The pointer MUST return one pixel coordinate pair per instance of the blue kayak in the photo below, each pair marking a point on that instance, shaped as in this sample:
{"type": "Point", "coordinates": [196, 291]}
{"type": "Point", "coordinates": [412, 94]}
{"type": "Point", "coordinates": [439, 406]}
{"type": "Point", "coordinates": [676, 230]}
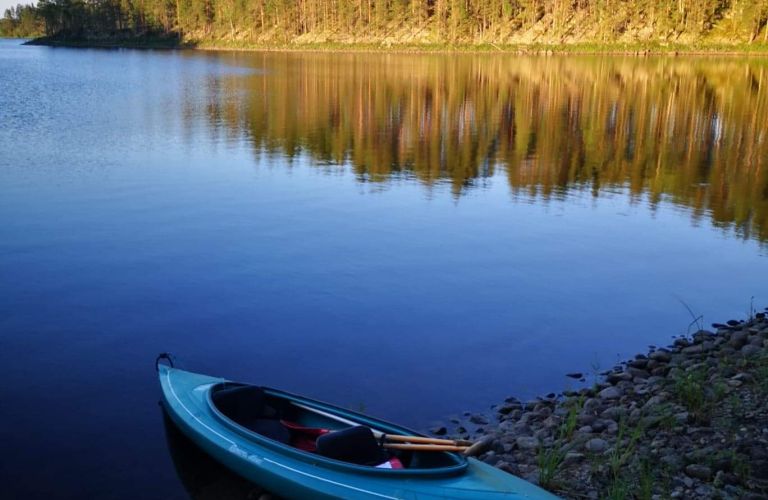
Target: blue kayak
{"type": "Point", "coordinates": [243, 428]}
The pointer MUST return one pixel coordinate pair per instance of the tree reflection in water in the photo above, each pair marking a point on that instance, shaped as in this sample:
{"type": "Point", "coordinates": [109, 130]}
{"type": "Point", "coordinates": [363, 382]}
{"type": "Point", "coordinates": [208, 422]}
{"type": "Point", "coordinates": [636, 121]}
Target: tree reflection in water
{"type": "Point", "coordinates": [691, 131]}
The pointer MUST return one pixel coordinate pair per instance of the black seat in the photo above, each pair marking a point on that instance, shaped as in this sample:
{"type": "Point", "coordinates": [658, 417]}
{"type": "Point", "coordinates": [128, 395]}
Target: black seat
{"type": "Point", "coordinates": [249, 406]}
{"type": "Point", "coordinates": [356, 445]}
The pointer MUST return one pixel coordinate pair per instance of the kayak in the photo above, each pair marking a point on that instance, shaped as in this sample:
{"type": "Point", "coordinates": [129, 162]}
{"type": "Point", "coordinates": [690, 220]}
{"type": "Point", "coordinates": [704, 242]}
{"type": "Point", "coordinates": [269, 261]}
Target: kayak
{"type": "Point", "coordinates": [249, 429]}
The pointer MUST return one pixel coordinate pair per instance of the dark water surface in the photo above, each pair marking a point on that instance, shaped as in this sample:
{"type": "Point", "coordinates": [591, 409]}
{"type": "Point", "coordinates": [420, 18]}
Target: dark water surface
{"type": "Point", "coordinates": [413, 235]}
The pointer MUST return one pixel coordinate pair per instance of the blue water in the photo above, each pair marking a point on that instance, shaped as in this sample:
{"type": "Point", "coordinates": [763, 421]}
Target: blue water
{"type": "Point", "coordinates": [131, 223]}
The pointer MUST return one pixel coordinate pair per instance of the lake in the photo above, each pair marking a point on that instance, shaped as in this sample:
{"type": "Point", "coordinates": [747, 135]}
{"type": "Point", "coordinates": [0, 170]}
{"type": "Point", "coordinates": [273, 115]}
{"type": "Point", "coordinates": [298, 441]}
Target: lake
{"type": "Point", "coordinates": [412, 236]}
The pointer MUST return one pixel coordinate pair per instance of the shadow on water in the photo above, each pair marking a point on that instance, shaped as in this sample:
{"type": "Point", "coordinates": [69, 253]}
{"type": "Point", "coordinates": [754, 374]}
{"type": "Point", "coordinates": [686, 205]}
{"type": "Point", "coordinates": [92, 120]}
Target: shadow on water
{"type": "Point", "coordinates": [203, 477]}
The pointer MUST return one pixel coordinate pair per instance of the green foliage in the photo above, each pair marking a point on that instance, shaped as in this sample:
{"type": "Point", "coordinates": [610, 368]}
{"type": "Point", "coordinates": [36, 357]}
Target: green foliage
{"type": "Point", "coordinates": [22, 21]}
{"type": "Point", "coordinates": [549, 461]}
{"type": "Point", "coordinates": [568, 427]}
{"type": "Point", "coordinates": [645, 481]}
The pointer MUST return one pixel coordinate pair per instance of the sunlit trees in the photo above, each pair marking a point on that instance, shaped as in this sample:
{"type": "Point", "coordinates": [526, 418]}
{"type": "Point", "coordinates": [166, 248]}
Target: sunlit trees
{"type": "Point", "coordinates": [428, 21]}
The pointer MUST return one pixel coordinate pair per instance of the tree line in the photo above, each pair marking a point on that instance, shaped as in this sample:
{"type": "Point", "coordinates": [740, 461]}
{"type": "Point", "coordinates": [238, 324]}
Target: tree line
{"type": "Point", "coordinates": [399, 21]}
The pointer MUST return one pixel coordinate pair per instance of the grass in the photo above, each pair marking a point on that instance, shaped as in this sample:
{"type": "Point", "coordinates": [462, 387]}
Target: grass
{"type": "Point", "coordinates": [645, 481]}
{"type": "Point", "coordinates": [568, 427]}
{"type": "Point", "coordinates": [549, 461]}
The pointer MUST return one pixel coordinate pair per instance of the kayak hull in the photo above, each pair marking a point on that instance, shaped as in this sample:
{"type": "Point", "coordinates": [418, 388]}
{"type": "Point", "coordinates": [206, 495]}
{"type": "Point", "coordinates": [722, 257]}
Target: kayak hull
{"type": "Point", "coordinates": [293, 473]}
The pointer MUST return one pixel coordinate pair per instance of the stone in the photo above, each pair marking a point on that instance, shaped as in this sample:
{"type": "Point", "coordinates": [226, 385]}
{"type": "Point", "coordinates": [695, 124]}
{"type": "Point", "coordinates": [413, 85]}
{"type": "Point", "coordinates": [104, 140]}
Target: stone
{"type": "Point", "coordinates": [610, 393]}
{"type": "Point", "coordinates": [478, 419]}
{"type": "Point", "coordinates": [439, 431]}
{"type": "Point", "coordinates": [694, 349]}
{"type": "Point", "coordinates": [576, 375]}
{"type": "Point", "coordinates": [638, 372]}
{"type": "Point", "coordinates": [750, 350]}
{"type": "Point", "coordinates": [573, 457]}
{"type": "Point", "coordinates": [672, 461]}
{"type": "Point", "coordinates": [508, 407]}
{"type": "Point", "coordinates": [614, 413]}
{"type": "Point", "coordinates": [596, 445]}
{"type": "Point", "coordinates": [653, 401]}
{"type": "Point", "coordinates": [681, 417]}
{"type": "Point", "coordinates": [585, 419]}
{"type": "Point", "coordinates": [591, 404]}
{"type": "Point", "coordinates": [698, 471]}
{"type": "Point", "coordinates": [527, 443]}
{"type": "Point", "coordinates": [491, 458]}
{"type": "Point", "coordinates": [507, 467]}
{"type": "Point", "coordinates": [616, 377]}
{"type": "Point", "coordinates": [661, 356]}
{"type": "Point", "coordinates": [738, 339]}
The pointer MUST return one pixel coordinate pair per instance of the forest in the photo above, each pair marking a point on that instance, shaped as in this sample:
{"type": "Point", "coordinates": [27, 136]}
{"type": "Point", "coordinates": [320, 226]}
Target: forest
{"type": "Point", "coordinates": [494, 23]}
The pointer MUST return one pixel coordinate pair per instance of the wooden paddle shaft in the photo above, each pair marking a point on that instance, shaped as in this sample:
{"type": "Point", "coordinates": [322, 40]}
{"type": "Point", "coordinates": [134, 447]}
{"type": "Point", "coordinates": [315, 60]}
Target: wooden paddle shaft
{"type": "Point", "coordinates": [426, 440]}
{"type": "Point", "coordinates": [423, 447]}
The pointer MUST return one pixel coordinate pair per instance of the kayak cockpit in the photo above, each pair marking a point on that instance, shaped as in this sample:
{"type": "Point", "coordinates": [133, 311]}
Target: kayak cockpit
{"type": "Point", "coordinates": [300, 426]}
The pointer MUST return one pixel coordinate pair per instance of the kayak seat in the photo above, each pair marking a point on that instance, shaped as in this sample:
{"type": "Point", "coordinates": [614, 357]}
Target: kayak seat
{"type": "Point", "coordinates": [355, 445]}
{"type": "Point", "coordinates": [248, 406]}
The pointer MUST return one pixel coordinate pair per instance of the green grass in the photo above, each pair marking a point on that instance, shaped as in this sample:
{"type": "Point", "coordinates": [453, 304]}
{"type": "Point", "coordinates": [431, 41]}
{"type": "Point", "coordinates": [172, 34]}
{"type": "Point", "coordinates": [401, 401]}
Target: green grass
{"type": "Point", "coordinates": [549, 462]}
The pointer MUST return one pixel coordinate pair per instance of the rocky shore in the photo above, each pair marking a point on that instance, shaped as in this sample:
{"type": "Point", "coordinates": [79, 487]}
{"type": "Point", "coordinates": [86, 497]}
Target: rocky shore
{"type": "Point", "coordinates": [686, 421]}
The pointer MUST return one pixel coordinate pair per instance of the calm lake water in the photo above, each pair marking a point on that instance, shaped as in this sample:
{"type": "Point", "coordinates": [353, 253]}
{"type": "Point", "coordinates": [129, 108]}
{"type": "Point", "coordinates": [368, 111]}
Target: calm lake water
{"type": "Point", "coordinates": [411, 235]}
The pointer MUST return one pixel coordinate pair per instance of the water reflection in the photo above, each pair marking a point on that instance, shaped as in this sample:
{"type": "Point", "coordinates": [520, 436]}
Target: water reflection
{"type": "Point", "coordinates": [203, 477]}
{"type": "Point", "coordinates": [691, 131]}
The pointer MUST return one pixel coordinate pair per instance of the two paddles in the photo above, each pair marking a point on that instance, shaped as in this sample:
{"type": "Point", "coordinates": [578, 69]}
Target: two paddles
{"type": "Point", "coordinates": [399, 442]}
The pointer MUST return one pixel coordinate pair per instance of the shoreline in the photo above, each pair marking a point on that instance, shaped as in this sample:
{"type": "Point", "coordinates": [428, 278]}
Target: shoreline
{"type": "Point", "coordinates": [586, 48]}
{"type": "Point", "coordinates": [689, 420]}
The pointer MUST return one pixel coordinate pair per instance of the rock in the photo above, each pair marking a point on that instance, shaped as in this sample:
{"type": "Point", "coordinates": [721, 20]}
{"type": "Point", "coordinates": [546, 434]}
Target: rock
{"type": "Point", "coordinates": [616, 377]}
{"type": "Point", "coordinates": [750, 350]}
{"type": "Point", "coordinates": [660, 371]}
{"type": "Point", "coordinates": [478, 419]}
{"type": "Point", "coordinates": [491, 458]}
{"type": "Point", "coordinates": [738, 339]}
{"type": "Point", "coordinates": [614, 413]}
{"type": "Point", "coordinates": [596, 445]}
{"type": "Point", "coordinates": [532, 477]}
{"type": "Point", "coordinates": [610, 393]}
{"type": "Point", "coordinates": [719, 480]}
{"type": "Point", "coordinates": [509, 407]}
{"type": "Point", "coordinates": [507, 467]}
{"type": "Point", "coordinates": [572, 458]}
{"type": "Point", "coordinates": [653, 401]}
{"type": "Point", "coordinates": [672, 461]}
{"type": "Point", "coordinates": [698, 471]}
{"type": "Point", "coordinates": [638, 372]}
{"type": "Point", "coordinates": [576, 375]}
{"type": "Point", "coordinates": [480, 447]}
{"type": "Point", "coordinates": [585, 419]}
{"type": "Point", "coordinates": [661, 356]}
{"type": "Point", "coordinates": [681, 417]}
{"type": "Point", "coordinates": [694, 349]}
{"type": "Point", "coordinates": [527, 443]}
{"type": "Point", "coordinates": [703, 335]}
{"type": "Point", "coordinates": [591, 404]}
{"type": "Point", "coordinates": [439, 431]}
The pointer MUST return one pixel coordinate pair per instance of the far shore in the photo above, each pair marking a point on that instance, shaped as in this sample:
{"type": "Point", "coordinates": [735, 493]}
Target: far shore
{"type": "Point", "coordinates": [758, 49]}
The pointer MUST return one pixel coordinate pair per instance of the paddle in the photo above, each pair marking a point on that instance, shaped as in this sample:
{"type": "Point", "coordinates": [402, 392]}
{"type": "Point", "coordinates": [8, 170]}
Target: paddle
{"type": "Point", "coordinates": [424, 443]}
{"type": "Point", "coordinates": [423, 447]}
